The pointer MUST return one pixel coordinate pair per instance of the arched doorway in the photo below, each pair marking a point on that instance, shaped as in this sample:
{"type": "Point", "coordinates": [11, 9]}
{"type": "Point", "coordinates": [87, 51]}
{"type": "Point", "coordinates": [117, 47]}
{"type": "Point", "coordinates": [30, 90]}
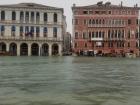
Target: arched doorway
{"type": "Point", "coordinates": [34, 49]}
{"type": "Point", "coordinates": [24, 49]}
{"type": "Point", "coordinates": [45, 50]}
{"type": "Point", "coordinates": [55, 49]}
{"type": "Point", "coordinates": [13, 49]}
{"type": "Point", "coordinates": [2, 47]}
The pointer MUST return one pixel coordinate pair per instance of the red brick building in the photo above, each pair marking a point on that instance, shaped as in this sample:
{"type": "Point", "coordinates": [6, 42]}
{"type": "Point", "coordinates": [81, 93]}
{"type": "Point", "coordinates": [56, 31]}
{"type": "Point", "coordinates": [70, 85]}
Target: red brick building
{"type": "Point", "coordinates": [106, 28]}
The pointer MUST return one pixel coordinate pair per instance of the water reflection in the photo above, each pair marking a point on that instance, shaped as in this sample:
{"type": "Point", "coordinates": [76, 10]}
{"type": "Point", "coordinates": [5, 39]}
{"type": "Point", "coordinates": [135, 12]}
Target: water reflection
{"type": "Point", "coordinates": [69, 81]}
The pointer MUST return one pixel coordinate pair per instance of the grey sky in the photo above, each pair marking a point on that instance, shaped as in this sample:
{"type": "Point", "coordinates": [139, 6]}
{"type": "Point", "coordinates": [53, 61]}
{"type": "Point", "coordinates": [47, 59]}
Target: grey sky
{"type": "Point", "coordinates": [66, 4]}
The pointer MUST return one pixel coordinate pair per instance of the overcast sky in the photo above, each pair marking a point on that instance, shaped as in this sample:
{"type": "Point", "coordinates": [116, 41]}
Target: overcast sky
{"type": "Point", "coordinates": [66, 4]}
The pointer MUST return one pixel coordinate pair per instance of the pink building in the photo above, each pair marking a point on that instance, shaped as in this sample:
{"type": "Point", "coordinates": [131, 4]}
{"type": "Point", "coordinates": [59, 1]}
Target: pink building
{"type": "Point", "coordinates": [105, 28]}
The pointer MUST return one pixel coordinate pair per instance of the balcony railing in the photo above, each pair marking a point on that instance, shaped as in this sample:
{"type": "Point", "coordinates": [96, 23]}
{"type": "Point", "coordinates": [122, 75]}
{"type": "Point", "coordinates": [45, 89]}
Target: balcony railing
{"type": "Point", "coordinates": [107, 39]}
{"type": "Point", "coordinates": [105, 25]}
{"type": "Point", "coordinates": [30, 22]}
{"type": "Point", "coordinates": [28, 38]}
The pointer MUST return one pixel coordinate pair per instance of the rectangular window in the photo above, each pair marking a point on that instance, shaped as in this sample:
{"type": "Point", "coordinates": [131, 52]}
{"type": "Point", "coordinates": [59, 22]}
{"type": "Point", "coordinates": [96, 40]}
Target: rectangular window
{"type": "Point", "coordinates": [55, 32]}
{"type": "Point", "coordinates": [84, 35]}
{"type": "Point", "coordinates": [129, 21]}
{"type": "Point", "coordinates": [76, 21]}
{"type": "Point", "coordinates": [137, 21]}
{"type": "Point", "coordinates": [85, 12]}
{"type": "Point", "coordinates": [97, 12]}
{"type": "Point", "coordinates": [76, 35]}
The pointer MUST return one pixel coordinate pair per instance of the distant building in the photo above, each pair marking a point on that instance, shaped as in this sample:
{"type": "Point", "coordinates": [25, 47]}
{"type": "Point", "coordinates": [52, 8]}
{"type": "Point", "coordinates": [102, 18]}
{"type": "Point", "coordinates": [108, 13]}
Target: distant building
{"type": "Point", "coordinates": [29, 29]}
{"type": "Point", "coordinates": [106, 28]}
{"type": "Point", "coordinates": [67, 42]}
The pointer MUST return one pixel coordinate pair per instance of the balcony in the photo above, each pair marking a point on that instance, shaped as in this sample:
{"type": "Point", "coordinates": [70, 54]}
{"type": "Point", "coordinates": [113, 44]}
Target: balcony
{"type": "Point", "coordinates": [31, 22]}
{"type": "Point", "coordinates": [107, 39]}
{"type": "Point", "coordinates": [23, 38]}
{"type": "Point", "coordinates": [105, 25]}
{"type": "Point", "coordinates": [96, 39]}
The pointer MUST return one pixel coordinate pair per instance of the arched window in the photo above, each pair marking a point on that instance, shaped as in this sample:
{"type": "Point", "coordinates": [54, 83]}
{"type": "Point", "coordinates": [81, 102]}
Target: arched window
{"type": "Point", "coordinates": [2, 30]}
{"type": "Point", "coordinates": [103, 34]}
{"type": "Point", "coordinates": [45, 17]}
{"type": "Point", "coordinates": [13, 29]}
{"type": "Point", "coordinates": [55, 17]}
{"type": "Point", "coordinates": [116, 32]}
{"type": "Point", "coordinates": [13, 15]}
{"type": "Point", "coordinates": [27, 17]}
{"type": "Point", "coordinates": [112, 34]}
{"type": "Point", "coordinates": [103, 21]}
{"type": "Point", "coordinates": [55, 32]}
{"type": "Point", "coordinates": [21, 16]}
{"type": "Point", "coordinates": [96, 21]}
{"type": "Point", "coordinates": [129, 34]}
{"type": "Point", "coordinates": [97, 34]}
{"type": "Point", "coordinates": [90, 21]}
{"type": "Point", "coordinates": [119, 34]}
{"type": "Point", "coordinates": [109, 34]}
{"type": "Point", "coordinates": [37, 17]}
{"type": "Point", "coordinates": [85, 45]}
{"type": "Point", "coordinates": [32, 31]}
{"type": "Point", "coordinates": [100, 21]}
{"type": "Point", "coordinates": [2, 15]}
{"type": "Point", "coordinates": [45, 31]}
{"type": "Point", "coordinates": [21, 31]}
{"type": "Point", "coordinates": [93, 21]}
{"type": "Point", "coordinates": [100, 34]}
{"type": "Point", "coordinates": [37, 31]}
{"type": "Point", "coordinates": [32, 17]}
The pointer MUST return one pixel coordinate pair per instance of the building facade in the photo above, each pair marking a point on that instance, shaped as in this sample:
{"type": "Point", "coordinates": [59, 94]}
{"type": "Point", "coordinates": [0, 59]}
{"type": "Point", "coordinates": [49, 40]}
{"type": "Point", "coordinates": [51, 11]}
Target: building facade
{"type": "Point", "coordinates": [105, 28]}
{"type": "Point", "coordinates": [67, 42]}
{"type": "Point", "coordinates": [28, 29]}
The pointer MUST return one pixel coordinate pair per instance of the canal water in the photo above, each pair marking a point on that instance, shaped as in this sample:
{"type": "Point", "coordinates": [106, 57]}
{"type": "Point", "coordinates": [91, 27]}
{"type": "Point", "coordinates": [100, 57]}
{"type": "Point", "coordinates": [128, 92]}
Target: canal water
{"type": "Point", "coordinates": [69, 81]}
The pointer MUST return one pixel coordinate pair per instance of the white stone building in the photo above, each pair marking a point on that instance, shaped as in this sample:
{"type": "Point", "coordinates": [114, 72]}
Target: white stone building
{"type": "Point", "coordinates": [29, 29]}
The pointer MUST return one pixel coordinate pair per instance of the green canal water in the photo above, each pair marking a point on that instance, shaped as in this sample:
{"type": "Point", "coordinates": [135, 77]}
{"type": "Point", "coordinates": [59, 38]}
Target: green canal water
{"type": "Point", "coordinates": [69, 81]}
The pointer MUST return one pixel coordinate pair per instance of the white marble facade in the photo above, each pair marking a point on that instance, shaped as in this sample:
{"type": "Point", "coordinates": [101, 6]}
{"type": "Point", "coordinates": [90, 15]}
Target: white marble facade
{"type": "Point", "coordinates": [31, 29]}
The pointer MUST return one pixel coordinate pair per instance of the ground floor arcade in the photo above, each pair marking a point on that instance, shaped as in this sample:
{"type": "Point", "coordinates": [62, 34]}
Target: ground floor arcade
{"type": "Point", "coordinates": [30, 48]}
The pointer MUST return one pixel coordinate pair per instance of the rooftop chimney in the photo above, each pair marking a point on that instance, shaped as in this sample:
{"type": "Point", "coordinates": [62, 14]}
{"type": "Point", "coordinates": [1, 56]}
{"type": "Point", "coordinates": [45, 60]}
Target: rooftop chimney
{"type": "Point", "coordinates": [121, 3]}
{"type": "Point", "coordinates": [74, 5]}
{"type": "Point", "coordinates": [100, 3]}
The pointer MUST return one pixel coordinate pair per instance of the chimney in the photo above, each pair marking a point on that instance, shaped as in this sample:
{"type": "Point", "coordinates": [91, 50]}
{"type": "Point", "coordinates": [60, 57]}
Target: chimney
{"type": "Point", "coordinates": [74, 5]}
{"type": "Point", "coordinates": [121, 3]}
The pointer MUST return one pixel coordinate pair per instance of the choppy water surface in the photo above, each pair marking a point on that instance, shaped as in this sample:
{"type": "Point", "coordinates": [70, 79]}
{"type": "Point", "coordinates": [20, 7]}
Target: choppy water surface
{"type": "Point", "coordinates": [69, 81]}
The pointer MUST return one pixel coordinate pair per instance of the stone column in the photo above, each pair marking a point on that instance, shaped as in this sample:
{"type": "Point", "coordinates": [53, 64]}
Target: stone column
{"type": "Point", "coordinates": [39, 50]}
{"type": "Point", "coordinates": [29, 49]}
{"type": "Point", "coordinates": [50, 49]}
{"type": "Point", "coordinates": [7, 47]}
{"type": "Point", "coordinates": [60, 49]}
{"type": "Point", "coordinates": [18, 49]}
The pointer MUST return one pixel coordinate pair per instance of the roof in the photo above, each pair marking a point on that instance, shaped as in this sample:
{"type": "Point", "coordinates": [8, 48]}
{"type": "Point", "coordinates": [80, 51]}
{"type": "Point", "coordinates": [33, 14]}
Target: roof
{"type": "Point", "coordinates": [107, 5]}
{"type": "Point", "coordinates": [30, 5]}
